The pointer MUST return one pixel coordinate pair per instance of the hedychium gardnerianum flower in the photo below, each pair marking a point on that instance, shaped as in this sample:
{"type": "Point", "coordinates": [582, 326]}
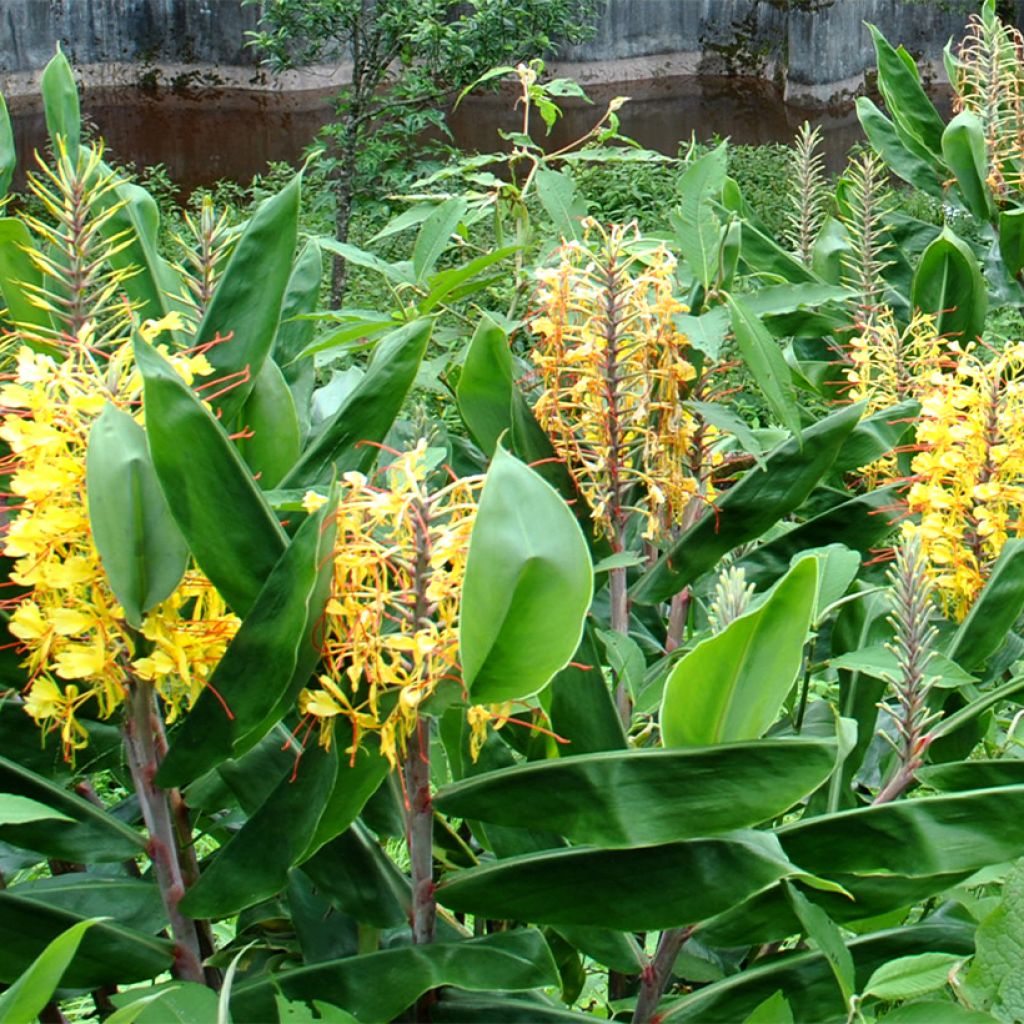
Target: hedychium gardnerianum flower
{"type": "Point", "coordinates": [614, 372]}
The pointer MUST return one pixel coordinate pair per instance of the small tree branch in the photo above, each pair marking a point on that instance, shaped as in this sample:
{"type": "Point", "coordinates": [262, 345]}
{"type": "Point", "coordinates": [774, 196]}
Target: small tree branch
{"type": "Point", "coordinates": [656, 974]}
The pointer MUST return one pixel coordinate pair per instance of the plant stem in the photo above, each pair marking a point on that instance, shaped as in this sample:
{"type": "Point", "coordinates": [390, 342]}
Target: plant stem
{"type": "Point", "coordinates": [419, 833]}
{"type": "Point", "coordinates": [141, 748]}
{"type": "Point", "coordinates": [656, 974]}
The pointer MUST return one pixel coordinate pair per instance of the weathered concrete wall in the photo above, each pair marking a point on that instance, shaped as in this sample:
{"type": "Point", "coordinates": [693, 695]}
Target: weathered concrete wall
{"type": "Point", "coordinates": [816, 55]}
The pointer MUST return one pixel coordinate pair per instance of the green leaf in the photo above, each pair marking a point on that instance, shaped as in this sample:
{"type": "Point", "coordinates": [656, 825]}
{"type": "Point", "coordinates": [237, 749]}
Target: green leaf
{"type": "Point", "coordinates": [724, 419]}
{"type": "Point", "coordinates": [17, 810]}
{"type": "Point", "coordinates": [930, 1011]}
{"type": "Point", "coordinates": [643, 797]}
{"type": "Point", "coordinates": [141, 548]}
{"type": "Point", "coordinates": [108, 954]}
{"type": "Point", "coordinates": [877, 435]}
{"type": "Point", "coordinates": [527, 587]}
{"type": "Point", "coordinates": [399, 273]}
{"type": "Point", "coordinates": [931, 835]}
{"type": "Point", "coordinates": [435, 236]}
{"type": "Point", "coordinates": [759, 500]}
{"type": "Point", "coordinates": [270, 416]}
{"type": "Point", "coordinates": [231, 530]}
{"type": "Point", "coordinates": [19, 276]}
{"type": "Point", "coordinates": [994, 612]}
{"type": "Point", "coordinates": [959, 775]}
{"type": "Point", "coordinates": [774, 1010]}
{"type": "Point", "coordinates": [764, 360]}
{"type": "Point", "coordinates": [637, 889]}
{"type": "Point", "coordinates": [963, 146]}
{"type": "Point", "coordinates": [900, 85]}
{"type": "Point", "coordinates": [175, 1002]}
{"type": "Point", "coordinates": [130, 902]}
{"type": "Point", "coordinates": [949, 284]}
{"type": "Point", "coordinates": [24, 1000]}
{"type": "Point", "coordinates": [695, 224]}
{"type": "Point", "coordinates": [901, 160]}
{"type": "Point", "coordinates": [879, 662]}
{"type": "Point", "coordinates": [95, 836]}
{"type": "Point", "coordinates": [822, 930]}
{"type": "Point", "coordinates": [732, 686]}
{"type": "Point", "coordinates": [268, 661]}
{"type": "Point", "coordinates": [347, 440]}
{"type": "Point", "coordinates": [1011, 239]}
{"type": "Point", "coordinates": [910, 977]}
{"type": "Point", "coordinates": [377, 987]}
{"type": "Point", "coordinates": [807, 980]}
{"type": "Point", "coordinates": [8, 154]}
{"type": "Point", "coordinates": [705, 332]}
{"type": "Point", "coordinates": [562, 202]}
{"type": "Point", "coordinates": [60, 104]}
{"type": "Point", "coordinates": [301, 295]}
{"type": "Point", "coordinates": [484, 391]}
{"type": "Point", "coordinates": [246, 305]}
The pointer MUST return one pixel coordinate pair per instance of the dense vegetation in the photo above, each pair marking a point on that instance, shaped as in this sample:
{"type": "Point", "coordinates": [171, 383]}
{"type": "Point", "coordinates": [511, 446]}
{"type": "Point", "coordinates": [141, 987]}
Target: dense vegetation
{"type": "Point", "coordinates": [593, 618]}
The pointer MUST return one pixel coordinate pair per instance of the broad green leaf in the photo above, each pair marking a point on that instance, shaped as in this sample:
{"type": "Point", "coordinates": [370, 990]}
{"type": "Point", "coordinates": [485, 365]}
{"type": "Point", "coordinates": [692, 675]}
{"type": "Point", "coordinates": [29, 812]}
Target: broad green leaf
{"type": "Point", "coordinates": [929, 836]}
{"type": "Point", "coordinates": [759, 500]}
{"type": "Point", "coordinates": [561, 200]}
{"type": "Point", "coordinates": [484, 392]}
{"type": "Point", "coordinates": [458, 283]}
{"type": "Point", "coordinates": [17, 810]}
{"type": "Point", "coordinates": [254, 863]}
{"type": "Point", "coordinates": [705, 332]}
{"type": "Point", "coordinates": [881, 663]}
{"type": "Point", "coordinates": [134, 231]}
{"type": "Point", "coordinates": [901, 160]}
{"type": "Point", "coordinates": [761, 254]}
{"type": "Point", "coordinates": [25, 999]}
{"type": "Point", "coordinates": [774, 1010]}
{"type": "Point", "coordinates": [822, 930]}
{"type": "Point", "coordinates": [643, 797]}
{"type": "Point", "coordinates": [727, 421]}
{"type": "Point", "coordinates": [94, 836]}
{"type": "Point", "coordinates": [141, 548]}
{"type": "Point", "coordinates": [246, 305]}
{"type": "Point", "coordinates": [60, 105]}
{"type": "Point", "coordinates": [580, 707]}
{"type": "Point", "coordinates": [457, 1007]}
{"type": "Point", "coordinates": [636, 889]}
{"type": "Point", "coordinates": [949, 284]}
{"type": "Point", "coordinates": [994, 612]}
{"type": "Point", "coordinates": [399, 273]}
{"type": "Point", "coordinates": [231, 530]}
{"type": "Point", "coordinates": [377, 987]}
{"type": "Point", "coordinates": [806, 978]}
{"type": "Point", "coordinates": [130, 902]}
{"type": "Point", "coordinates": [268, 661]}
{"type": "Point", "coordinates": [108, 953]}
{"type": "Point", "coordinates": [527, 587]}
{"type": "Point", "coordinates": [980, 774]}
{"type": "Point", "coordinates": [863, 522]}
{"type": "Point", "coordinates": [270, 417]}
{"type": "Point", "coordinates": [930, 1011]}
{"type": "Point", "coordinates": [963, 146]}
{"type": "Point", "coordinates": [732, 686]}
{"type": "Point", "coordinates": [176, 1002]}
{"type": "Point", "coordinates": [8, 155]}
{"type": "Point", "coordinates": [837, 568]}
{"type": "Point", "coordinates": [764, 360]}
{"type": "Point", "coordinates": [1011, 239]}
{"type": "Point", "coordinates": [877, 435]}
{"type": "Point", "coordinates": [695, 223]}
{"type": "Point", "coordinates": [900, 85]}
{"type": "Point", "coordinates": [19, 276]}
{"type": "Point", "coordinates": [994, 981]}
{"type": "Point", "coordinates": [348, 440]}
{"type": "Point", "coordinates": [435, 236]}
{"type": "Point", "coordinates": [910, 977]}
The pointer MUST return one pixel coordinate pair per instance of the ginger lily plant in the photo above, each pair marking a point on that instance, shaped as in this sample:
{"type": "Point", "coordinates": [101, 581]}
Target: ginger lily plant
{"type": "Point", "coordinates": [589, 695]}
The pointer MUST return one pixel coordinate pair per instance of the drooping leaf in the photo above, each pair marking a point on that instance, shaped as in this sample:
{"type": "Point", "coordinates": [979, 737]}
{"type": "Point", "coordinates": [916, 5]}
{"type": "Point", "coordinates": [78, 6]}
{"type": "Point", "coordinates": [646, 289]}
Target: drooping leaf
{"type": "Point", "coordinates": [93, 836]}
{"type": "Point", "coordinates": [435, 236]}
{"type": "Point", "coordinates": [485, 387]}
{"type": "Point", "coordinates": [268, 661]}
{"type": "Point", "coordinates": [759, 500]}
{"type": "Point", "coordinates": [246, 305]}
{"type": "Point", "coordinates": [643, 797]}
{"type": "Point", "coordinates": [732, 685]}
{"type": "Point", "coordinates": [764, 360]}
{"type": "Point", "coordinates": [822, 930]}
{"type": "Point", "coordinates": [527, 587]}
{"type": "Point", "coordinates": [141, 548]}
{"type": "Point", "coordinates": [25, 999]}
{"type": "Point", "coordinates": [963, 146]}
{"type": "Point", "coordinates": [635, 889]}
{"type": "Point", "coordinates": [379, 986]}
{"type": "Point", "coordinates": [108, 954]}
{"type": "Point", "coordinates": [561, 200]}
{"type": "Point", "coordinates": [347, 440]}
{"type": "Point", "coordinates": [230, 529]}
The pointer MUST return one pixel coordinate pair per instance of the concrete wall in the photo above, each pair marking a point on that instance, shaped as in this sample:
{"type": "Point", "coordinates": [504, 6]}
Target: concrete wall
{"type": "Point", "coordinates": [815, 55]}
